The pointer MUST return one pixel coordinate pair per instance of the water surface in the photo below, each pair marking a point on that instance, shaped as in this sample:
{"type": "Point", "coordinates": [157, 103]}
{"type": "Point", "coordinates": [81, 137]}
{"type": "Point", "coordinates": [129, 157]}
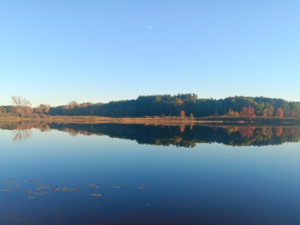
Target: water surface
{"type": "Point", "coordinates": [149, 174]}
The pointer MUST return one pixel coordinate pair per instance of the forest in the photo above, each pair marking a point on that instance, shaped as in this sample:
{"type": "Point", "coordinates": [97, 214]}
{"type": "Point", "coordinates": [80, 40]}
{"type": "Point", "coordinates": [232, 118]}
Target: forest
{"type": "Point", "coordinates": [184, 105]}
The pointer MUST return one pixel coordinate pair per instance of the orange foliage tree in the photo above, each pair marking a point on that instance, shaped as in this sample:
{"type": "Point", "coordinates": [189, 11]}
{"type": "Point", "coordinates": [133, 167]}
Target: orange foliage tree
{"type": "Point", "coordinates": [182, 128]}
{"type": "Point", "coordinates": [182, 113]}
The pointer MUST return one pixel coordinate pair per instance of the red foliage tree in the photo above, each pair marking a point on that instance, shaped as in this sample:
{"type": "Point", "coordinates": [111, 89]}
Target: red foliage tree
{"type": "Point", "coordinates": [279, 113]}
{"type": "Point", "coordinates": [251, 112]}
{"type": "Point", "coordinates": [182, 113]}
{"type": "Point", "coordinates": [292, 114]}
{"type": "Point", "coordinates": [279, 131]}
{"type": "Point", "coordinates": [247, 112]}
{"type": "Point", "coordinates": [246, 131]}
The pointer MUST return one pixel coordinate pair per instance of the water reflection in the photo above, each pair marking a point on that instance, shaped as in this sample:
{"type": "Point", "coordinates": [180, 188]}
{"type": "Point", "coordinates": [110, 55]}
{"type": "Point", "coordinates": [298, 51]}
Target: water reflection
{"type": "Point", "coordinates": [180, 136]}
{"type": "Point", "coordinates": [77, 180]}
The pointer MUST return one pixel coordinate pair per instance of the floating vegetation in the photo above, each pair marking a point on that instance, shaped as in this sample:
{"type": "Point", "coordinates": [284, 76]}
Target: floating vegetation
{"type": "Point", "coordinates": [34, 180]}
{"type": "Point", "coordinates": [56, 189]}
{"type": "Point", "coordinates": [67, 189]}
{"type": "Point", "coordinates": [40, 187]}
{"type": "Point", "coordinates": [97, 195]}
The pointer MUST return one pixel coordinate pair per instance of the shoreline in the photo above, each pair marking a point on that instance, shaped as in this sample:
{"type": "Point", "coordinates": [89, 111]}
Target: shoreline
{"type": "Point", "coordinates": [159, 120]}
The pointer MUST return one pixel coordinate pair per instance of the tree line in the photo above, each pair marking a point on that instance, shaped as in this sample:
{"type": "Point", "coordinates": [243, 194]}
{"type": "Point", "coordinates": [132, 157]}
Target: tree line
{"type": "Point", "coordinates": [164, 105]}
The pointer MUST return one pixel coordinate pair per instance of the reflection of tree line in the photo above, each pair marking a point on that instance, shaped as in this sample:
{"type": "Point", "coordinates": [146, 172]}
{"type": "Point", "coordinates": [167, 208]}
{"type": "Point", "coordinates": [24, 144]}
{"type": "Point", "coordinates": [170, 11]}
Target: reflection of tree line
{"type": "Point", "coordinates": [23, 130]}
{"type": "Point", "coordinates": [188, 136]}
{"type": "Point", "coordinates": [181, 136]}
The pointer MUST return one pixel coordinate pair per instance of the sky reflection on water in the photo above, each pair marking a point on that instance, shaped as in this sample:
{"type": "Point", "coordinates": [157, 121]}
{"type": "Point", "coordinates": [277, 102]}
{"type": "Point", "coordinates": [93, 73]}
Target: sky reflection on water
{"type": "Point", "coordinates": [206, 184]}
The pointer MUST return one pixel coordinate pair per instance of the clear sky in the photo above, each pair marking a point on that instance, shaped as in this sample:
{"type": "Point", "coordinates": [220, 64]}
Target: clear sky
{"type": "Point", "coordinates": [56, 51]}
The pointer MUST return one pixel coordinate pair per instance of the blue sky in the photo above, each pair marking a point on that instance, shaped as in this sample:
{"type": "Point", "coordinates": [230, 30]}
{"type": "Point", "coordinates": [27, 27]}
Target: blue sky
{"type": "Point", "coordinates": [96, 51]}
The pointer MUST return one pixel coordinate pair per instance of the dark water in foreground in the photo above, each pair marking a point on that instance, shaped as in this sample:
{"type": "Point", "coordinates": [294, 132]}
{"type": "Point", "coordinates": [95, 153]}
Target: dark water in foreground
{"type": "Point", "coordinates": [149, 174]}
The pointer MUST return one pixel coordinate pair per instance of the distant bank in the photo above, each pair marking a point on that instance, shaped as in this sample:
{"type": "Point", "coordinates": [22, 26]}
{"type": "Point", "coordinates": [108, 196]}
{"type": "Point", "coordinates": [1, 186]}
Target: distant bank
{"type": "Point", "coordinates": [161, 120]}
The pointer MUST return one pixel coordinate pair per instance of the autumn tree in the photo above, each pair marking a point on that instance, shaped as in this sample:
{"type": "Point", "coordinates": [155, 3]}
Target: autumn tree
{"type": "Point", "coordinates": [279, 113]}
{"type": "Point", "coordinates": [251, 112]}
{"type": "Point", "coordinates": [73, 104]}
{"type": "Point", "coordinates": [244, 111]}
{"type": "Point", "coordinates": [42, 108]}
{"type": "Point", "coordinates": [232, 113]}
{"type": "Point", "coordinates": [22, 104]}
{"type": "Point", "coordinates": [246, 131]}
{"type": "Point", "coordinates": [279, 131]}
{"type": "Point", "coordinates": [182, 128]}
{"type": "Point", "coordinates": [292, 114]}
{"type": "Point", "coordinates": [270, 110]}
{"type": "Point", "coordinates": [182, 113]}
{"type": "Point", "coordinates": [192, 116]}
{"type": "Point", "coordinates": [216, 114]}
{"type": "Point", "coordinates": [247, 112]}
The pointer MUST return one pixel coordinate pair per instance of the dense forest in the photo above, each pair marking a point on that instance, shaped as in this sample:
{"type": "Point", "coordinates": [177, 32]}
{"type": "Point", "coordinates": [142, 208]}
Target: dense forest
{"type": "Point", "coordinates": [165, 105]}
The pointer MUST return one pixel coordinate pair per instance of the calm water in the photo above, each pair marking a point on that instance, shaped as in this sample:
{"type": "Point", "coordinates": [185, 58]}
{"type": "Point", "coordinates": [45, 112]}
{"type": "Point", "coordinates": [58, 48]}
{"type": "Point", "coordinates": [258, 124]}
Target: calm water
{"type": "Point", "coordinates": [148, 174]}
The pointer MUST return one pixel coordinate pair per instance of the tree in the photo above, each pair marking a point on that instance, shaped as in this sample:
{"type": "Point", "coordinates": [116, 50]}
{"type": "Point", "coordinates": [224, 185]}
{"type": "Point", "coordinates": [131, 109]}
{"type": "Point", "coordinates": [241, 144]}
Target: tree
{"type": "Point", "coordinates": [279, 131]}
{"type": "Point", "coordinates": [246, 131]}
{"type": "Point", "coordinates": [182, 113]}
{"type": "Point", "coordinates": [292, 114]}
{"type": "Point", "coordinates": [244, 111]}
{"type": "Point", "coordinates": [216, 114]}
{"type": "Point", "coordinates": [182, 128]}
{"type": "Point", "coordinates": [279, 113]}
{"type": "Point", "coordinates": [73, 104]}
{"type": "Point", "coordinates": [251, 112]}
{"type": "Point", "coordinates": [192, 116]}
{"type": "Point", "coordinates": [270, 110]}
{"type": "Point", "coordinates": [247, 112]}
{"type": "Point", "coordinates": [22, 104]}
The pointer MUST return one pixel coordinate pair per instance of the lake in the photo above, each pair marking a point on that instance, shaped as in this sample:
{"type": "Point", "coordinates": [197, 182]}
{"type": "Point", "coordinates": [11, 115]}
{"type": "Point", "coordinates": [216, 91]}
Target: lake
{"type": "Point", "coordinates": [135, 174]}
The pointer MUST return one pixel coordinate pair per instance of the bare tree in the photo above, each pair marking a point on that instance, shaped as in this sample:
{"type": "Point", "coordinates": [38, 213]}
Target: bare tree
{"type": "Point", "coordinates": [22, 104]}
{"type": "Point", "coordinates": [22, 133]}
